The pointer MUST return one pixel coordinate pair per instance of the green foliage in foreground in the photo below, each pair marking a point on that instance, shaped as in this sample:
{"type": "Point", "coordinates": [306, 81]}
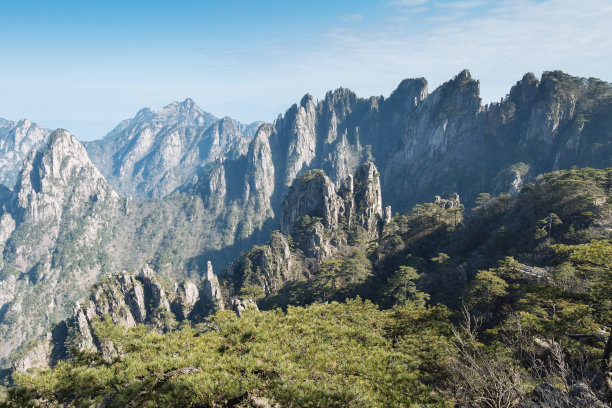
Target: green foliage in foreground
{"type": "Point", "coordinates": [334, 355]}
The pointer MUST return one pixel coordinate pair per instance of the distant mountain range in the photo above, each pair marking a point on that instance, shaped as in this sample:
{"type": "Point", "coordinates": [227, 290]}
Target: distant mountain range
{"type": "Point", "coordinates": [178, 187]}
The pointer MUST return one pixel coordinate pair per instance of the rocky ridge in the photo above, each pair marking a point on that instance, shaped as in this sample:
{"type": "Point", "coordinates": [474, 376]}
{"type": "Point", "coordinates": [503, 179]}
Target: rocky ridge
{"type": "Point", "coordinates": [153, 153]}
{"type": "Point", "coordinates": [17, 139]}
{"type": "Point", "coordinates": [54, 237]}
{"type": "Point", "coordinates": [423, 143]}
{"type": "Point", "coordinates": [128, 300]}
{"type": "Point", "coordinates": [317, 222]}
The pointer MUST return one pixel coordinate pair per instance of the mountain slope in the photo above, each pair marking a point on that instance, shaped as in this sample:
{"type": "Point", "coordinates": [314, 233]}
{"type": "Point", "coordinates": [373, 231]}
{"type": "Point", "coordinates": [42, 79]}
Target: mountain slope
{"type": "Point", "coordinates": [535, 334]}
{"type": "Point", "coordinates": [153, 153]}
{"type": "Point", "coordinates": [453, 143]}
{"type": "Point", "coordinates": [423, 144]}
{"type": "Point", "coordinates": [54, 238]}
{"type": "Point", "coordinates": [17, 139]}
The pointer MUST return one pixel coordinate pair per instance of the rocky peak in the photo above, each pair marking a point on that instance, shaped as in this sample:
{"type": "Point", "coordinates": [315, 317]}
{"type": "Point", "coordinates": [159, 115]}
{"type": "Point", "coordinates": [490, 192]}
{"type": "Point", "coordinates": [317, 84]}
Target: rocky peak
{"type": "Point", "coordinates": [17, 139]}
{"type": "Point", "coordinates": [525, 91]}
{"type": "Point", "coordinates": [211, 290]}
{"type": "Point", "coordinates": [341, 101]}
{"type": "Point", "coordinates": [409, 93]}
{"type": "Point", "coordinates": [463, 91]}
{"type": "Point", "coordinates": [156, 152]}
{"type": "Point", "coordinates": [58, 173]}
{"type": "Point", "coordinates": [313, 194]}
{"type": "Point", "coordinates": [54, 236]}
{"type": "Point", "coordinates": [306, 100]}
{"type": "Point", "coordinates": [187, 113]}
{"type": "Point", "coordinates": [368, 197]}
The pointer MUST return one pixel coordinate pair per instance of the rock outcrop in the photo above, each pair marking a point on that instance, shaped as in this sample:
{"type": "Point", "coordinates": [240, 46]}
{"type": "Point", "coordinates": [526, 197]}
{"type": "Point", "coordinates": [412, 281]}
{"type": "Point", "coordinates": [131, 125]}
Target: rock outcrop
{"type": "Point", "coordinates": [423, 144]}
{"type": "Point", "coordinates": [453, 201]}
{"type": "Point", "coordinates": [62, 226]}
{"type": "Point", "coordinates": [211, 291]}
{"type": "Point", "coordinates": [318, 218]}
{"type": "Point", "coordinates": [240, 305]}
{"type": "Point", "coordinates": [450, 142]}
{"type": "Point", "coordinates": [128, 300]}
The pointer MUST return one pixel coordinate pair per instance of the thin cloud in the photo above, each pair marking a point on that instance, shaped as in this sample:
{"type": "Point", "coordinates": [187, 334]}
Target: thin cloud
{"type": "Point", "coordinates": [408, 3]}
{"type": "Point", "coordinates": [463, 5]}
{"type": "Point", "coordinates": [352, 18]}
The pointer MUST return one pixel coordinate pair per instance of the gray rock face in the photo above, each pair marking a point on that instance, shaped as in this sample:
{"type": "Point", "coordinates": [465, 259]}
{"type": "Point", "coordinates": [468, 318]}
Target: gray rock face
{"type": "Point", "coordinates": [155, 152]}
{"type": "Point", "coordinates": [318, 219]}
{"type": "Point", "coordinates": [240, 305]}
{"type": "Point", "coordinates": [128, 300]}
{"type": "Point", "coordinates": [17, 139]}
{"type": "Point", "coordinates": [450, 142]}
{"type": "Point", "coordinates": [452, 202]}
{"type": "Point", "coordinates": [312, 193]}
{"type": "Point", "coordinates": [187, 296]}
{"type": "Point", "coordinates": [211, 290]}
{"type": "Point", "coordinates": [63, 226]}
{"type": "Point", "coordinates": [53, 238]}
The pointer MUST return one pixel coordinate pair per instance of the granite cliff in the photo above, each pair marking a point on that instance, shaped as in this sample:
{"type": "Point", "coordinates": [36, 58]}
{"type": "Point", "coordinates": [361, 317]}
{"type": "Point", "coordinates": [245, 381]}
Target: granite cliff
{"type": "Point", "coordinates": [423, 143]}
{"type": "Point", "coordinates": [317, 223]}
{"type": "Point", "coordinates": [127, 299]}
{"type": "Point", "coordinates": [54, 236]}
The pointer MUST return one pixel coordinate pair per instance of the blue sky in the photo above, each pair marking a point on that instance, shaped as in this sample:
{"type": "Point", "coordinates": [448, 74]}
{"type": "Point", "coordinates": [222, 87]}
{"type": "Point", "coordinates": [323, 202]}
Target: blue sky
{"type": "Point", "coordinates": [86, 65]}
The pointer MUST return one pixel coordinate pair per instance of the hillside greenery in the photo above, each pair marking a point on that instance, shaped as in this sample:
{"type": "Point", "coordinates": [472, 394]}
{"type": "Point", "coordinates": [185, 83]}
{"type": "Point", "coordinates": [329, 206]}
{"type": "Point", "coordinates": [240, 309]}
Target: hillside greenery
{"type": "Point", "coordinates": [506, 305]}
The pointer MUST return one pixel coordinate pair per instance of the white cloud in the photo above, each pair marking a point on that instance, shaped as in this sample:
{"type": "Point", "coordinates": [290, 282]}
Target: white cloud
{"type": "Point", "coordinates": [498, 45]}
{"type": "Point", "coordinates": [256, 77]}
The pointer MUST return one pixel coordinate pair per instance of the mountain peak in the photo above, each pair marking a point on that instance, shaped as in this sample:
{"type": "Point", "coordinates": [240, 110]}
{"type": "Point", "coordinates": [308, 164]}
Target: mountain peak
{"type": "Point", "coordinates": [17, 139]}
{"type": "Point", "coordinates": [60, 169]}
{"type": "Point", "coordinates": [410, 90]}
{"type": "Point", "coordinates": [464, 74]}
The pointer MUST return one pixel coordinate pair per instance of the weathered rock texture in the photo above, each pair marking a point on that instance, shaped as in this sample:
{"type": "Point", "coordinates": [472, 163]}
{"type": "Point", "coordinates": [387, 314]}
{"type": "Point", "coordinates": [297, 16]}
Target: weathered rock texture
{"type": "Point", "coordinates": [451, 143]}
{"type": "Point", "coordinates": [153, 153]}
{"type": "Point", "coordinates": [423, 144]}
{"type": "Point", "coordinates": [128, 300]}
{"type": "Point", "coordinates": [17, 139]}
{"type": "Point", "coordinates": [55, 233]}
{"type": "Point", "coordinates": [318, 219]}
{"type": "Point", "coordinates": [63, 226]}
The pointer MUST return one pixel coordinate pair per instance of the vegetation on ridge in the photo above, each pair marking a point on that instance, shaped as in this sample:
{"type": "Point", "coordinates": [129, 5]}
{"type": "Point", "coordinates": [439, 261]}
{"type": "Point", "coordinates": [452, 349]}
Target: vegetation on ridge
{"type": "Point", "coordinates": [527, 287]}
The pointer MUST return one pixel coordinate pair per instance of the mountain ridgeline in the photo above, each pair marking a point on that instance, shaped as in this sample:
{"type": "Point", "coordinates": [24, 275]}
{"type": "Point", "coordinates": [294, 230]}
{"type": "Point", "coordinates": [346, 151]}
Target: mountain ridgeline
{"type": "Point", "coordinates": [178, 188]}
{"type": "Point", "coordinates": [155, 152]}
{"type": "Point", "coordinates": [423, 144]}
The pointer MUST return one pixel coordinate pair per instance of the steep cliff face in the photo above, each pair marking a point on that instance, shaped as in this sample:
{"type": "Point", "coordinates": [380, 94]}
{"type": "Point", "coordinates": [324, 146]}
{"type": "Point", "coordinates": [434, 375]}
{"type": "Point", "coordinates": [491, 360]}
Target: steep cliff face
{"type": "Point", "coordinates": [423, 143]}
{"type": "Point", "coordinates": [17, 139]}
{"type": "Point", "coordinates": [453, 143]}
{"type": "Point", "coordinates": [319, 221]}
{"type": "Point", "coordinates": [54, 236]}
{"type": "Point", "coordinates": [153, 153]}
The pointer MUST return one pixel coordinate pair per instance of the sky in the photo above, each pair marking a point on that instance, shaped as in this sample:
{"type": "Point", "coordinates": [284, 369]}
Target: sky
{"type": "Point", "coordinates": [86, 65]}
